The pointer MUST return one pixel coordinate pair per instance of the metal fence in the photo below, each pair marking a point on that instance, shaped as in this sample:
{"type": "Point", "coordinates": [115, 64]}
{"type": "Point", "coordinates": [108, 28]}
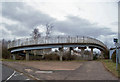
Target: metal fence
{"type": "Point", "coordinates": [53, 40]}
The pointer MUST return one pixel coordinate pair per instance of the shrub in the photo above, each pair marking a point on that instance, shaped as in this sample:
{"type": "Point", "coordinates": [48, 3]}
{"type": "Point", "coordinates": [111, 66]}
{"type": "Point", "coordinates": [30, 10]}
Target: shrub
{"type": "Point", "coordinates": [73, 57]}
{"type": "Point", "coordinates": [52, 56]}
{"type": "Point", "coordinates": [5, 53]}
{"type": "Point", "coordinates": [95, 57]}
{"type": "Point", "coordinates": [106, 55]}
{"type": "Point", "coordinates": [67, 56]}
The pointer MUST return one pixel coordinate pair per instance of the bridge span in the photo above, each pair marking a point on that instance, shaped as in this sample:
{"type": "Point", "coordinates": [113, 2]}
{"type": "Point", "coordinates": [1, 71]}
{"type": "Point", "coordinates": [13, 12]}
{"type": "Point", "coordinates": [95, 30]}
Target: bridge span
{"type": "Point", "coordinates": [81, 42]}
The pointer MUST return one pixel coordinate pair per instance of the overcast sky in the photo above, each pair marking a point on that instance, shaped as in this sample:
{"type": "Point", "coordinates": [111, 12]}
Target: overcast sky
{"type": "Point", "coordinates": [70, 17]}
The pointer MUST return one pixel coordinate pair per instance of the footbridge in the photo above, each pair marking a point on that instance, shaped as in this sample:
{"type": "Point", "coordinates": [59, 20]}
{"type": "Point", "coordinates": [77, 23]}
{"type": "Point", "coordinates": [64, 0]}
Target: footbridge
{"type": "Point", "coordinates": [43, 42]}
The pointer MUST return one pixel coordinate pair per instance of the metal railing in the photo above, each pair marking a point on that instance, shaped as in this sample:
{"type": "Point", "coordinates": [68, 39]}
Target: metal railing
{"type": "Point", "coordinates": [53, 40]}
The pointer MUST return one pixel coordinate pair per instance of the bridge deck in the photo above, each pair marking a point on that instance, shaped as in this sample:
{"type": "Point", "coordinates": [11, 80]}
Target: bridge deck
{"type": "Point", "coordinates": [59, 40]}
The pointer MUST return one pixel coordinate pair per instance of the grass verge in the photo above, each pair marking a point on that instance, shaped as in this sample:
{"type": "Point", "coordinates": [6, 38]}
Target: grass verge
{"type": "Point", "coordinates": [111, 66]}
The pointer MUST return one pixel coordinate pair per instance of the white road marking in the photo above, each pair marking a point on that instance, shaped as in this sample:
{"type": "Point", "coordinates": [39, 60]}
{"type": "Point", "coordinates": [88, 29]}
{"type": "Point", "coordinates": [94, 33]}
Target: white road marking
{"type": "Point", "coordinates": [11, 76]}
{"type": "Point", "coordinates": [18, 74]}
{"type": "Point", "coordinates": [27, 79]}
{"type": "Point", "coordinates": [21, 73]}
{"type": "Point", "coordinates": [44, 72]}
{"type": "Point", "coordinates": [28, 70]}
{"type": "Point", "coordinates": [34, 77]}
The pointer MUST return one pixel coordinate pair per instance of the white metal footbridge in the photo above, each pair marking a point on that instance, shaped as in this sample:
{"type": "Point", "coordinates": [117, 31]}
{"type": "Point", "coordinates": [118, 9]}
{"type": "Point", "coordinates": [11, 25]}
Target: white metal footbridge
{"type": "Point", "coordinates": [55, 42]}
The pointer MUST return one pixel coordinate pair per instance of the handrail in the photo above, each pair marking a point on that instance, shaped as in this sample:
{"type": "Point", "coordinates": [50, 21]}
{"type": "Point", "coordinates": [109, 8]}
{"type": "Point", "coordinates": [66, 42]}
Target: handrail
{"type": "Point", "coordinates": [53, 40]}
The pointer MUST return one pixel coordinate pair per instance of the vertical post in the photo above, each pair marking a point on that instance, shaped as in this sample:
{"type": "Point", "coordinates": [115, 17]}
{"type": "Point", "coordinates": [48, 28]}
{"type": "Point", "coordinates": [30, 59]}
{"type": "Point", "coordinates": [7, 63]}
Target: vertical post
{"type": "Point", "coordinates": [70, 50]}
{"type": "Point", "coordinates": [91, 53]}
{"type": "Point", "coordinates": [119, 54]}
{"type": "Point", "coordinates": [82, 52]}
{"type": "Point", "coordinates": [14, 57]}
{"type": "Point", "coordinates": [61, 58]}
{"type": "Point", "coordinates": [58, 39]}
{"type": "Point", "coordinates": [61, 53]}
{"type": "Point", "coordinates": [35, 54]}
{"type": "Point", "coordinates": [116, 41]}
{"type": "Point", "coordinates": [116, 59]}
{"type": "Point", "coordinates": [83, 39]}
{"type": "Point", "coordinates": [27, 56]}
{"type": "Point", "coordinates": [77, 39]}
{"type": "Point", "coordinates": [110, 54]}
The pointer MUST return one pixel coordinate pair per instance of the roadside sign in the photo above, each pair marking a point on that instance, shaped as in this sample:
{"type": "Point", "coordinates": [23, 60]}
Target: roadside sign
{"type": "Point", "coordinates": [115, 40]}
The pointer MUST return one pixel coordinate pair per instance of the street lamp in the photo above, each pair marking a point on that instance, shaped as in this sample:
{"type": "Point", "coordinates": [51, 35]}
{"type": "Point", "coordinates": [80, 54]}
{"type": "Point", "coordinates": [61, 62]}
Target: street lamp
{"type": "Point", "coordinates": [116, 44]}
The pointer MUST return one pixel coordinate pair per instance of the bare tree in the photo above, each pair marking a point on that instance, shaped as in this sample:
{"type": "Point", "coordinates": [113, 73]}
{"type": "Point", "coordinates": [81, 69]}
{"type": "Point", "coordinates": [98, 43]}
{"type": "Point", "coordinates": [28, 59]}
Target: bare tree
{"type": "Point", "coordinates": [5, 53]}
{"type": "Point", "coordinates": [35, 34]}
{"type": "Point", "coordinates": [49, 28]}
{"type": "Point", "coordinates": [87, 52]}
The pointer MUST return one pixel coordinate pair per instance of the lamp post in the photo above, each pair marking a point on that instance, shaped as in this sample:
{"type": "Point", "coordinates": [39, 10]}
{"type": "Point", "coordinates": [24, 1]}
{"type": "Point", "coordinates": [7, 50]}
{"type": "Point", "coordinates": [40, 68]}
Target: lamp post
{"type": "Point", "coordinates": [116, 44]}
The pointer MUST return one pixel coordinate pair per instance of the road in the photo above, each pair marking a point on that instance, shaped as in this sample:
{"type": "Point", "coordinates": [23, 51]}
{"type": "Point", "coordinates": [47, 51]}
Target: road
{"type": "Point", "coordinates": [89, 70]}
{"type": "Point", "coordinates": [10, 74]}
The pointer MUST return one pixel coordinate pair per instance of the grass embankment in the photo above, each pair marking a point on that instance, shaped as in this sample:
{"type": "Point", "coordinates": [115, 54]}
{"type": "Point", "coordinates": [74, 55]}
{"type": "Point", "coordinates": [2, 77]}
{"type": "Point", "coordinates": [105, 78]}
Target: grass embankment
{"type": "Point", "coordinates": [111, 66]}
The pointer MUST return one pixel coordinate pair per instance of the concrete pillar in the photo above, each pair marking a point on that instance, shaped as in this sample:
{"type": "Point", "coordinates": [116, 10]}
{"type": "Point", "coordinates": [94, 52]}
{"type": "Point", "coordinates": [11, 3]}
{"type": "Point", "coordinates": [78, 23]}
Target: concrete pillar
{"type": "Point", "coordinates": [61, 59]}
{"type": "Point", "coordinates": [43, 56]}
{"type": "Point", "coordinates": [34, 52]}
{"type": "Point", "coordinates": [91, 53]}
{"type": "Point", "coordinates": [27, 56]}
{"type": "Point", "coordinates": [61, 53]}
{"type": "Point", "coordinates": [14, 56]}
{"type": "Point", "coordinates": [70, 50]}
{"type": "Point", "coordinates": [82, 50]}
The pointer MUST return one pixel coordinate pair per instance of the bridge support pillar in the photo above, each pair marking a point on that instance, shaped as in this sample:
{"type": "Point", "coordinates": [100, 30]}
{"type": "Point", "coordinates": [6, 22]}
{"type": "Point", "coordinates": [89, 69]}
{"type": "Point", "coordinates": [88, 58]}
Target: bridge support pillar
{"type": "Point", "coordinates": [14, 56]}
{"type": "Point", "coordinates": [70, 50]}
{"type": "Point", "coordinates": [61, 53]}
{"type": "Point", "coordinates": [69, 56]}
{"type": "Point", "coordinates": [82, 51]}
{"type": "Point", "coordinates": [27, 56]}
{"type": "Point", "coordinates": [61, 59]}
{"type": "Point", "coordinates": [91, 54]}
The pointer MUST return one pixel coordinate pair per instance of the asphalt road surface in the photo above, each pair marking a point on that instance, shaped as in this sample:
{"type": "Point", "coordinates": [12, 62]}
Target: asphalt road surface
{"type": "Point", "coordinates": [10, 74]}
{"type": "Point", "coordinates": [91, 70]}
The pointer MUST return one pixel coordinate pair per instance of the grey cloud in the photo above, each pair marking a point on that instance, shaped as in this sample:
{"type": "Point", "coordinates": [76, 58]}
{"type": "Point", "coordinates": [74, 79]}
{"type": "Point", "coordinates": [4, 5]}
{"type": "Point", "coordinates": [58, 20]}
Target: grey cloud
{"type": "Point", "coordinates": [78, 26]}
{"type": "Point", "coordinates": [17, 30]}
{"type": "Point", "coordinates": [24, 14]}
{"type": "Point", "coordinates": [29, 17]}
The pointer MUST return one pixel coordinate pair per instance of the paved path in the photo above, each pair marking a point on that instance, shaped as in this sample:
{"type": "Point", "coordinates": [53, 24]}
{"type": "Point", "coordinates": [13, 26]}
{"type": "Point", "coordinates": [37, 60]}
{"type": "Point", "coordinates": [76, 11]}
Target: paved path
{"type": "Point", "coordinates": [91, 70]}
